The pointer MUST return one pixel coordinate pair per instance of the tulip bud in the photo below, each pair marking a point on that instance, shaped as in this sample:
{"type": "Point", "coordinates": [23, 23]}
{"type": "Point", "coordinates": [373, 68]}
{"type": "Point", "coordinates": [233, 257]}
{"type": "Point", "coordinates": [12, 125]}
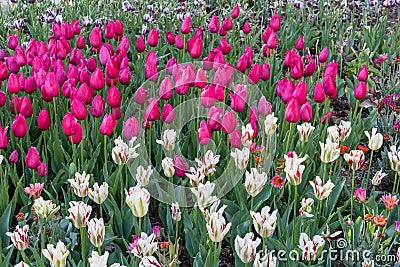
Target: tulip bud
{"type": "Point", "coordinates": [140, 44]}
{"type": "Point", "coordinates": [265, 71]}
{"type": "Point", "coordinates": [235, 139]}
{"type": "Point", "coordinates": [109, 30]}
{"type": "Point", "coordinates": [119, 28]}
{"type": "Point", "coordinates": [4, 138]}
{"type": "Point", "coordinates": [300, 92]}
{"type": "Point", "coordinates": [275, 22]}
{"type": "Point", "coordinates": [186, 25]}
{"type": "Point", "coordinates": [292, 113]}
{"type": "Point", "coordinates": [310, 68]}
{"type": "Point", "coordinates": [168, 113]}
{"type": "Point", "coordinates": [138, 200]}
{"type": "Point", "coordinates": [323, 55]}
{"type": "Point", "coordinates": [229, 122]}
{"type": "Point", "coordinates": [42, 169]}
{"type": "Point", "coordinates": [152, 38]}
{"type": "Point", "coordinates": [306, 112]}
{"type": "Point", "coordinates": [201, 79]}
{"type": "Point", "coordinates": [360, 92]}
{"type": "Point", "coordinates": [207, 96]}
{"type": "Point", "coordinates": [296, 68]}
{"type": "Point", "coordinates": [170, 37]}
{"type": "Point", "coordinates": [213, 26]}
{"type": "Point", "coordinates": [30, 85]}
{"type": "Point", "coordinates": [111, 69]}
{"type": "Point", "coordinates": [165, 91]}
{"type": "Point", "coordinates": [239, 97]}
{"type": "Point", "coordinates": [69, 124]}
{"type": "Point", "coordinates": [179, 42]}
{"type": "Point", "coordinates": [255, 73]}
{"type": "Point", "coordinates": [108, 124]}
{"type": "Point", "coordinates": [43, 120]}
{"type": "Point", "coordinates": [363, 74]}
{"type": "Point", "coordinates": [113, 97]}
{"type": "Point", "coordinates": [195, 47]}
{"type": "Point", "coordinates": [131, 128]}
{"type": "Point", "coordinates": [12, 41]}
{"type": "Point", "coordinates": [299, 43]}
{"type": "Point", "coordinates": [3, 71]}
{"type": "Point", "coordinates": [180, 166]}
{"type": "Point", "coordinates": [80, 42]}
{"type": "Point", "coordinates": [25, 108]}
{"type": "Point", "coordinates": [13, 85]}
{"type": "Point", "coordinates": [19, 127]}
{"type": "Point", "coordinates": [235, 11]}
{"type": "Point", "coordinates": [330, 86]}
{"type": "Point", "coordinates": [332, 69]}
{"type": "Point", "coordinates": [78, 109]}
{"type": "Point", "coordinates": [151, 72]}
{"type": "Point", "coordinates": [214, 118]}
{"type": "Point", "coordinates": [13, 156]}
{"type": "Point", "coordinates": [246, 28]}
{"type": "Point", "coordinates": [204, 133]}
{"type": "Point", "coordinates": [32, 159]}
{"type": "Point", "coordinates": [95, 37]}
{"type": "Point", "coordinates": [125, 76]}
{"type": "Point", "coordinates": [319, 93]}
{"type": "Point", "coordinates": [12, 64]}
{"type": "Point", "coordinates": [140, 96]}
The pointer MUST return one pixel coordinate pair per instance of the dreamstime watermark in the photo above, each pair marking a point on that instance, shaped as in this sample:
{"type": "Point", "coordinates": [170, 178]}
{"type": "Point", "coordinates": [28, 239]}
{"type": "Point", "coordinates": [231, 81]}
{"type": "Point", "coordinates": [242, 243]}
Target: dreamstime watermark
{"type": "Point", "coordinates": [189, 110]}
{"type": "Point", "coordinates": [340, 252]}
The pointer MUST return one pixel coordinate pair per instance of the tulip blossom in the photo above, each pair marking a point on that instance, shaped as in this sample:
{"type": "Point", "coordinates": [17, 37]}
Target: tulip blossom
{"type": "Point", "coordinates": [204, 133]}
{"type": "Point", "coordinates": [306, 207]}
{"type": "Point", "coordinates": [360, 194]}
{"type": "Point", "coordinates": [268, 260]}
{"type": "Point", "coordinates": [293, 167]}
{"type": "Point", "coordinates": [355, 159]}
{"type": "Point", "coordinates": [255, 182]}
{"type": "Point", "coordinates": [255, 73]}
{"type": "Point", "coordinates": [140, 95]}
{"type": "Point", "coordinates": [360, 92]}
{"type": "Point", "coordinates": [176, 212]}
{"type": "Point", "coordinates": [241, 157]}
{"type": "Point", "coordinates": [79, 213]}
{"type": "Point", "coordinates": [43, 120]}
{"type": "Point", "coordinates": [13, 156]}
{"type": "Point", "coordinates": [149, 261]}
{"type": "Point", "coordinates": [19, 237]}
{"type": "Point", "coordinates": [169, 140]}
{"type": "Point", "coordinates": [143, 245]}
{"type": "Point", "coordinates": [3, 137]}
{"type": "Point", "coordinates": [239, 97]}
{"type": "Point", "coordinates": [168, 167]}
{"type": "Point", "coordinates": [299, 43]}
{"type": "Point", "coordinates": [99, 193]}
{"type": "Point", "coordinates": [216, 225]}
{"type": "Point", "coordinates": [311, 247]}
{"type": "Point", "coordinates": [246, 247]}
{"type": "Point", "coordinates": [108, 124]}
{"type": "Point", "coordinates": [319, 93]}
{"type": "Point", "coordinates": [143, 175]}
{"type": "Point", "coordinates": [390, 201]}
{"type": "Point", "coordinates": [34, 190]}
{"type": "Point", "coordinates": [264, 222]}
{"type": "Point", "coordinates": [113, 97]}
{"type": "Point", "coordinates": [131, 128]}
{"type": "Point", "coordinates": [80, 184]}
{"type": "Point", "coordinates": [138, 200]}
{"type": "Point", "coordinates": [152, 112]}
{"type": "Point", "coordinates": [321, 191]}
{"type": "Point", "coordinates": [152, 38]}
{"type": "Point", "coordinates": [375, 140]}
{"type": "Point", "coordinates": [305, 130]}
{"type": "Point", "coordinates": [32, 159]}
{"type": "Point", "coordinates": [44, 209]}
{"type": "Point", "coordinates": [323, 55]}
{"type": "Point", "coordinates": [377, 179]}
{"type": "Point", "coordinates": [203, 194]}
{"type": "Point", "coordinates": [123, 152]}
{"type": "Point", "coordinates": [329, 151]}
{"type": "Point", "coordinates": [330, 86]}
{"type": "Point", "coordinates": [57, 255]}
{"type": "Point", "coordinates": [363, 74]}
{"type": "Point", "coordinates": [96, 232]}
{"type": "Point", "coordinates": [179, 166]}
{"type": "Point", "coordinates": [394, 159]}
{"type": "Point", "coordinates": [264, 107]}
{"type": "Point", "coordinates": [19, 126]}
{"type": "Point", "coordinates": [292, 113]}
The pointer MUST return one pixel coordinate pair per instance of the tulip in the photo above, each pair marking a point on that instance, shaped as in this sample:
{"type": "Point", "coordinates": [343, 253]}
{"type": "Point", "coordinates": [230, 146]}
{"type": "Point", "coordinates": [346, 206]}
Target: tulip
{"type": "Point", "coordinates": [3, 98]}
{"type": "Point", "coordinates": [377, 179]}
{"type": "Point", "coordinates": [255, 73]}
{"type": "Point", "coordinates": [97, 79]}
{"type": "Point", "coordinates": [195, 47]}
{"type": "Point", "coordinates": [113, 97]}
{"type": "Point", "coordinates": [143, 175]}
{"type": "Point", "coordinates": [292, 113]}
{"type": "Point", "coordinates": [235, 139]}
{"type": "Point", "coordinates": [13, 85]}
{"type": "Point", "coordinates": [201, 79]}
{"type": "Point", "coordinates": [239, 97]}
{"type": "Point", "coordinates": [255, 182]}
{"type": "Point", "coordinates": [253, 114]}
{"type": "Point", "coordinates": [214, 118]}
{"type": "Point", "coordinates": [300, 92]}
{"type": "Point", "coordinates": [264, 107]}
{"type": "Point", "coordinates": [12, 65]}
{"type": "Point", "coordinates": [213, 26]}
{"type": "Point", "coordinates": [246, 247]}
{"type": "Point", "coordinates": [323, 55]}
{"type": "Point", "coordinates": [375, 140]}
{"type": "Point", "coordinates": [80, 42]}
{"type": "Point", "coordinates": [152, 112]}
{"type": "Point", "coordinates": [78, 109]}
{"type": "Point", "coordinates": [96, 232]}
{"type": "Point", "coordinates": [140, 95]}
{"type": "Point", "coordinates": [79, 213]}
{"type": "Point", "coordinates": [20, 57]}
{"type": "Point", "coordinates": [168, 113]}
{"type": "Point", "coordinates": [207, 97]}
{"type": "Point", "coordinates": [310, 247]}
{"type": "Point", "coordinates": [140, 44]}
{"type": "Point", "coordinates": [4, 138]}
{"type": "Point", "coordinates": [299, 43]}
{"type": "Point", "coordinates": [20, 237]}
{"type": "Point", "coordinates": [30, 85]}
{"type": "Point", "coordinates": [104, 55]}
{"type": "Point", "coordinates": [131, 128]}
{"type": "Point", "coordinates": [246, 28]}
{"type": "Point", "coordinates": [293, 167]}
{"type": "Point", "coordinates": [109, 30]}
{"type": "Point", "coordinates": [241, 157]}
{"type": "Point", "coordinates": [80, 184]}
{"type": "Point", "coordinates": [25, 107]}
{"type": "Point", "coordinates": [152, 38]}
{"type": "Point", "coordinates": [42, 169]}
{"type": "Point", "coordinates": [58, 255]}
{"type": "Point", "coordinates": [296, 68]}
{"type": "Point", "coordinates": [329, 151]}
{"type": "Point", "coordinates": [169, 140]}
{"type": "Point", "coordinates": [360, 194]}
{"type": "Point", "coordinates": [176, 212]}
{"type": "Point", "coordinates": [265, 71]}
{"type": "Point", "coordinates": [179, 42]}
{"type": "Point", "coordinates": [363, 74]}
{"type": "Point", "coordinates": [306, 112]}
{"type": "Point", "coordinates": [170, 37]}
{"type": "Point", "coordinates": [229, 122]}
{"type": "Point", "coordinates": [19, 127]}
{"type": "Point", "coordinates": [264, 222]}
{"type": "Point", "coordinates": [321, 191]}
{"type": "Point", "coordinates": [227, 24]}
{"type": "Point", "coordinates": [32, 159]}
{"type": "Point", "coordinates": [138, 200]}
{"type": "Point", "coordinates": [119, 28]}
{"type": "Point", "coordinates": [3, 54]}
{"type": "Point", "coordinates": [330, 86]}
{"type": "Point", "coordinates": [305, 130]}
{"type": "Point", "coordinates": [12, 41]}
{"type": "Point", "coordinates": [355, 159]}
{"type": "Point", "coordinates": [275, 22]}
{"type": "Point", "coordinates": [284, 89]}
{"type": "Point", "coordinates": [319, 93]}
{"type": "Point", "coordinates": [165, 91]}
{"type": "Point", "coordinates": [151, 72]}
{"type": "Point", "coordinates": [332, 69]}
{"type": "Point", "coordinates": [204, 133]}
{"type": "Point", "coordinates": [108, 124]}
{"type": "Point", "coordinates": [270, 124]}
{"type": "Point", "coordinates": [186, 25]}
{"type": "Point", "coordinates": [69, 124]}
{"type": "Point", "coordinates": [13, 156]}
{"type": "Point", "coordinates": [216, 225]}
{"type": "Point", "coordinates": [111, 69]}
{"type": "Point", "coordinates": [99, 193]}
{"type": "Point", "coordinates": [180, 166]}
{"type": "Point", "coordinates": [43, 120]}
{"type": "Point", "coordinates": [310, 68]}
{"type": "Point", "coordinates": [3, 71]}
{"type": "Point", "coordinates": [203, 194]}
{"type": "Point", "coordinates": [360, 92]}
{"type": "Point", "coordinates": [95, 37]}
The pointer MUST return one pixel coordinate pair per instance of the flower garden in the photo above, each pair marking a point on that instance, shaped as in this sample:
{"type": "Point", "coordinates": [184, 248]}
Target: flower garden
{"type": "Point", "coordinates": [193, 133]}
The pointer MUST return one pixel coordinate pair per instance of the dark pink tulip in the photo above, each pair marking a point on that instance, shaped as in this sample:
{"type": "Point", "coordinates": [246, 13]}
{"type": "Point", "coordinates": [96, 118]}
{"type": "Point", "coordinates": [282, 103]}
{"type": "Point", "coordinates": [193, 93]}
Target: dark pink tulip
{"type": "Point", "coordinates": [201, 80]}
{"type": "Point", "coordinates": [66, 31]}
{"type": "Point", "coordinates": [306, 112]}
{"type": "Point", "coordinates": [12, 41]}
{"type": "Point", "coordinates": [140, 44]}
{"type": "Point", "coordinates": [332, 69]}
{"type": "Point", "coordinates": [195, 47]}
{"type": "Point", "coordinates": [265, 71]}
{"type": "Point", "coordinates": [91, 64]}
{"type": "Point", "coordinates": [3, 98]}
{"type": "Point", "coordinates": [180, 166]}
{"type": "Point", "coordinates": [300, 43]}
{"type": "Point", "coordinates": [288, 57]}
{"type": "Point", "coordinates": [124, 63]}
{"type": "Point", "coordinates": [264, 107]}
{"type": "Point", "coordinates": [207, 97]}
{"type": "Point", "coordinates": [239, 97]}
{"type": "Point", "coordinates": [204, 133]}
{"type": "Point", "coordinates": [25, 107]}
{"type": "Point", "coordinates": [15, 104]}
{"type": "Point", "coordinates": [84, 75]}
{"type": "Point", "coordinates": [168, 113]}
{"type": "Point", "coordinates": [214, 118]}
{"type": "Point", "coordinates": [223, 75]}
{"type": "Point", "coordinates": [151, 72]}
{"type": "Point", "coordinates": [213, 26]}
{"type": "Point", "coordinates": [224, 46]}
{"type": "Point", "coordinates": [330, 86]}
{"type": "Point", "coordinates": [14, 156]}
{"type": "Point", "coordinates": [111, 69]}
{"type": "Point", "coordinates": [227, 24]}
{"type": "Point", "coordinates": [235, 11]}
{"type": "Point", "coordinates": [114, 97]}
{"type": "Point", "coordinates": [116, 112]}
{"type": "Point", "coordinates": [360, 92]}
{"type": "Point", "coordinates": [20, 56]}
{"type": "Point", "coordinates": [104, 55]}
{"type": "Point", "coordinates": [42, 169]}
{"type": "Point", "coordinates": [140, 96]}
{"type": "Point", "coordinates": [30, 85]}
{"type": "Point", "coordinates": [229, 122]}
{"type": "Point", "coordinates": [97, 108]}
{"type": "Point", "coordinates": [95, 37]}
{"type": "Point", "coordinates": [292, 113]}
{"type": "Point", "coordinates": [76, 138]}
{"type": "Point", "coordinates": [124, 44]}
{"type": "Point", "coordinates": [310, 68]}
{"type": "Point", "coordinates": [241, 65]}
{"type": "Point", "coordinates": [69, 124]}
{"type": "Point", "coordinates": [43, 120]}
{"type": "Point", "coordinates": [323, 55]}
{"type": "Point", "coordinates": [222, 31]}
{"type": "Point", "coordinates": [253, 114]}
{"type": "Point", "coordinates": [19, 127]}
{"type": "Point", "coordinates": [219, 93]}
{"type": "Point", "coordinates": [219, 60]}
{"type": "Point", "coordinates": [255, 129]}
{"type": "Point", "coordinates": [32, 159]}
{"type": "Point", "coordinates": [363, 74]}
{"type": "Point", "coordinates": [125, 76]}
{"type": "Point", "coordinates": [3, 137]}
{"type": "Point", "coordinates": [3, 71]}
{"type": "Point", "coordinates": [152, 38]}
{"type": "Point", "coordinates": [296, 68]}
{"type": "Point", "coordinates": [12, 64]}
{"type": "Point", "coordinates": [246, 28]}
{"type": "Point", "coordinates": [97, 79]}
{"type": "Point", "coordinates": [255, 73]}
{"type": "Point", "coordinates": [186, 25]}
{"type": "Point", "coordinates": [80, 42]}
{"type": "Point", "coordinates": [275, 22]}
{"type": "Point", "coordinates": [326, 118]}
{"type": "Point", "coordinates": [235, 139]}
{"type": "Point", "coordinates": [56, 27]}
{"type": "Point", "coordinates": [13, 85]}
{"type": "Point", "coordinates": [119, 28]}
{"type": "Point", "coordinates": [73, 73]}
{"type": "Point", "coordinates": [300, 92]}
{"type": "Point", "coordinates": [170, 37]}
{"type": "Point", "coordinates": [51, 85]}
{"type": "Point", "coordinates": [152, 112]}
{"type": "Point", "coordinates": [319, 93]}
{"type": "Point", "coordinates": [108, 124]}
{"type": "Point", "coordinates": [76, 27]}
{"type": "Point", "coordinates": [110, 30]}
{"type": "Point", "coordinates": [131, 128]}
{"type": "Point", "coordinates": [165, 91]}
{"type": "Point", "coordinates": [179, 42]}
{"type": "Point", "coordinates": [78, 109]}
{"type": "Point", "coordinates": [84, 93]}
{"type": "Point", "coordinates": [271, 41]}
{"type": "Point", "coordinates": [3, 54]}
{"type": "Point", "coordinates": [284, 89]}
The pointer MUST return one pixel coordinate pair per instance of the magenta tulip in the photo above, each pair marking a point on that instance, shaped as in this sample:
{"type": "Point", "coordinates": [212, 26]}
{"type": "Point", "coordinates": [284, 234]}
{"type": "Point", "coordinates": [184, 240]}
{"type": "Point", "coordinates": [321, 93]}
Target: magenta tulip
{"type": "Point", "coordinates": [363, 74]}
{"type": "Point", "coordinates": [165, 91]}
{"type": "Point", "coordinates": [108, 124]}
{"type": "Point", "coordinates": [131, 128]}
{"type": "Point", "coordinates": [152, 38]}
{"type": "Point", "coordinates": [69, 124]}
{"type": "Point", "coordinates": [19, 127]}
{"type": "Point", "coordinates": [239, 97]}
{"type": "Point", "coordinates": [109, 30]}
{"type": "Point", "coordinates": [32, 159]}
{"type": "Point", "coordinates": [319, 93]}
{"type": "Point", "coordinates": [360, 92]}
{"type": "Point", "coordinates": [213, 26]}
{"type": "Point", "coordinates": [310, 68]}
{"type": "Point", "coordinates": [97, 108]}
{"type": "Point", "coordinates": [235, 11]}
{"type": "Point", "coordinates": [25, 107]}
{"type": "Point", "coordinates": [180, 166]}
{"type": "Point", "coordinates": [207, 97]}
{"type": "Point", "coordinates": [95, 37]}
{"type": "Point", "coordinates": [264, 107]}
{"type": "Point", "coordinates": [296, 68]}
{"type": "Point", "coordinates": [330, 86]}
{"type": "Point", "coordinates": [214, 118]}
{"type": "Point", "coordinates": [42, 169]}
{"type": "Point", "coordinates": [300, 92]}
{"type": "Point", "coordinates": [43, 120]}
{"type": "Point", "coordinates": [14, 156]}
{"type": "Point", "coordinates": [3, 137]}
{"type": "Point", "coordinates": [170, 37]}
{"type": "Point", "coordinates": [168, 113]}
{"type": "Point", "coordinates": [227, 24]}
{"type": "Point", "coordinates": [246, 28]}
{"type": "Point", "coordinates": [235, 139]}
{"type": "Point", "coordinates": [275, 22]}
{"type": "Point", "coordinates": [229, 122]}
{"type": "Point", "coordinates": [179, 42]}
{"type": "Point", "coordinates": [306, 112]}
{"type": "Point", "coordinates": [12, 41]}
{"type": "Point", "coordinates": [323, 55]}
{"type": "Point", "coordinates": [78, 109]}
{"type": "Point", "coordinates": [76, 138]}
{"type": "Point", "coordinates": [292, 113]}
{"type": "Point", "coordinates": [114, 97]}
{"type": "Point", "coordinates": [255, 73]}
{"type": "Point", "coordinates": [111, 69]}
{"type": "Point", "coordinates": [140, 44]}
{"type": "Point", "coordinates": [186, 25]}
{"type": "Point", "coordinates": [204, 133]}
{"type": "Point", "coordinates": [152, 112]}
{"type": "Point", "coordinates": [299, 43]}
{"type": "Point", "coordinates": [265, 71]}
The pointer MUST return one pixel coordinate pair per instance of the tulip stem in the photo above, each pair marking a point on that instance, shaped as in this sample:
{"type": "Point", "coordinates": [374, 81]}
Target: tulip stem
{"type": "Point", "coordinates": [74, 153]}
{"type": "Point", "coordinates": [43, 237]}
{"type": "Point", "coordinates": [140, 227]}
{"type": "Point", "coordinates": [101, 210]}
{"type": "Point", "coordinates": [395, 185]}
{"type": "Point", "coordinates": [355, 112]}
{"type": "Point", "coordinates": [105, 157]}
{"type": "Point", "coordinates": [369, 165]}
{"type": "Point", "coordinates": [352, 206]}
{"type": "Point", "coordinates": [83, 246]}
{"type": "Point", "coordinates": [289, 136]}
{"type": "Point", "coordinates": [325, 172]}
{"type": "Point", "coordinates": [295, 203]}
{"type": "Point", "coordinates": [24, 257]}
{"type": "Point", "coordinates": [122, 188]}
{"type": "Point", "coordinates": [176, 232]}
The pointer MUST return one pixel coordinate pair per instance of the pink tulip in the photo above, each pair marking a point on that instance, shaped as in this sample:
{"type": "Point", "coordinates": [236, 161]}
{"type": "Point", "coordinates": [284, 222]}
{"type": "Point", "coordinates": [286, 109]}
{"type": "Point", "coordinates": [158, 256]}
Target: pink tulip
{"type": "Point", "coordinates": [91, 64]}
{"type": "Point", "coordinates": [3, 54]}
{"type": "Point", "coordinates": [239, 97]}
{"type": "Point", "coordinates": [227, 24]}
{"type": "Point", "coordinates": [125, 76]}
{"type": "Point", "coordinates": [20, 56]}
{"type": "Point", "coordinates": [284, 89]}
{"type": "Point", "coordinates": [299, 43]}
{"type": "Point", "coordinates": [3, 71]}
{"type": "Point", "coordinates": [253, 114]}
{"type": "Point", "coordinates": [42, 169]}
{"type": "Point", "coordinates": [235, 139]}
{"type": "Point", "coordinates": [3, 98]}
{"type": "Point", "coordinates": [140, 95]}
{"type": "Point", "coordinates": [201, 79]}
{"type": "Point", "coordinates": [140, 44]}
{"type": "Point", "coordinates": [13, 85]}
{"type": "Point", "coordinates": [119, 28]}
{"type": "Point", "coordinates": [207, 96]}
{"type": "Point", "coordinates": [323, 55]}
{"type": "Point", "coordinates": [109, 30]}
{"type": "Point", "coordinates": [152, 38]}
{"type": "Point", "coordinates": [246, 28]}
{"type": "Point", "coordinates": [170, 37]}
{"type": "Point", "coordinates": [151, 71]}
{"type": "Point", "coordinates": [229, 122]}
{"type": "Point", "coordinates": [12, 65]}
{"type": "Point", "coordinates": [84, 94]}
{"type": "Point", "coordinates": [114, 97]}
{"type": "Point", "coordinates": [14, 156]}
{"type": "Point", "coordinates": [152, 112]}
{"type": "Point", "coordinates": [131, 128]}
{"type": "Point", "coordinates": [186, 25]}
{"type": "Point", "coordinates": [12, 41]}
{"type": "Point", "coordinates": [111, 69]}
{"type": "Point", "coordinates": [32, 159]}
{"type": "Point", "coordinates": [19, 127]}
{"type": "Point", "coordinates": [51, 87]}
{"type": "Point", "coordinates": [25, 108]}
{"type": "Point", "coordinates": [255, 73]}
{"type": "Point", "coordinates": [332, 69]}
{"type": "Point", "coordinates": [319, 93]}
{"type": "Point", "coordinates": [165, 91]}
{"type": "Point", "coordinates": [360, 92]}
{"type": "Point", "coordinates": [300, 92]}
{"type": "Point", "coordinates": [204, 133]}
{"type": "Point", "coordinates": [69, 124]}
{"type": "Point", "coordinates": [361, 194]}
{"type": "Point", "coordinates": [95, 37]}
{"type": "Point", "coordinates": [3, 137]}
{"type": "Point", "coordinates": [195, 47]}
{"type": "Point", "coordinates": [219, 93]}
{"type": "Point", "coordinates": [213, 26]}
{"type": "Point", "coordinates": [66, 31]}
{"type": "Point", "coordinates": [330, 86]}
{"type": "Point", "coordinates": [180, 166]}
{"type": "Point", "coordinates": [363, 74]}
{"type": "Point", "coordinates": [310, 68]}
{"type": "Point", "coordinates": [255, 129]}
{"type": "Point", "coordinates": [77, 137]}
{"type": "Point", "coordinates": [108, 124]}
{"type": "Point", "coordinates": [97, 108]}
{"type": "Point", "coordinates": [288, 57]}
{"type": "Point", "coordinates": [275, 22]}
{"type": "Point", "coordinates": [97, 79]}
{"type": "Point", "coordinates": [179, 42]}
{"type": "Point", "coordinates": [78, 109]}
{"type": "Point", "coordinates": [296, 68]}
{"type": "Point", "coordinates": [235, 11]}
{"type": "Point", "coordinates": [214, 118]}
{"type": "Point", "coordinates": [292, 113]}
{"type": "Point", "coordinates": [43, 120]}
{"type": "Point", "coordinates": [168, 113]}
{"type": "Point", "coordinates": [265, 71]}
{"type": "Point", "coordinates": [306, 112]}
{"type": "Point", "coordinates": [80, 42]}
{"type": "Point", "coordinates": [56, 27]}
{"type": "Point", "coordinates": [264, 107]}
